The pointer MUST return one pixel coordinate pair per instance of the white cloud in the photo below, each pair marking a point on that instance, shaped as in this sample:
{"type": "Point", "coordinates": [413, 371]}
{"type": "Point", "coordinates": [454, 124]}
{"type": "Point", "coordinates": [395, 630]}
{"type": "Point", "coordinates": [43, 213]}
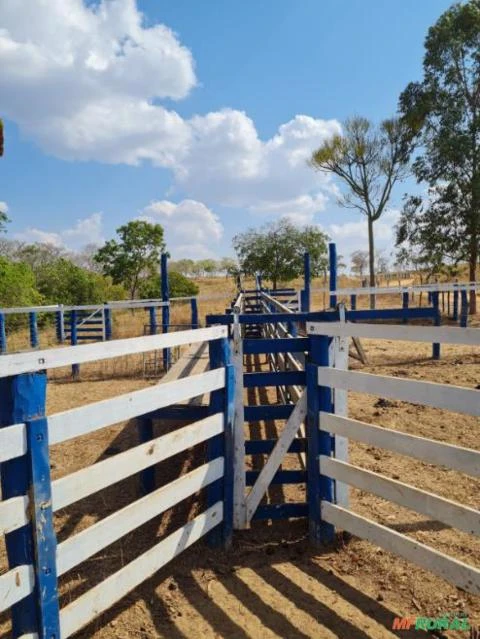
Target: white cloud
{"type": "Point", "coordinates": [86, 231]}
{"type": "Point", "coordinates": [3, 207]}
{"type": "Point", "coordinates": [191, 228]}
{"type": "Point", "coordinates": [82, 80]}
{"type": "Point", "coordinates": [352, 236]}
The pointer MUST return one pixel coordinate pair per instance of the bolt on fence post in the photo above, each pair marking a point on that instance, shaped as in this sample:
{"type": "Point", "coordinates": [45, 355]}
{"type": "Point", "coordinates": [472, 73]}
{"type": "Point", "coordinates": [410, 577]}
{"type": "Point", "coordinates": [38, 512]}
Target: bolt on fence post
{"type": "Point", "coordinates": [23, 397]}
{"type": "Point", "coordinates": [44, 538]}
{"type": "Point", "coordinates": [319, 398]}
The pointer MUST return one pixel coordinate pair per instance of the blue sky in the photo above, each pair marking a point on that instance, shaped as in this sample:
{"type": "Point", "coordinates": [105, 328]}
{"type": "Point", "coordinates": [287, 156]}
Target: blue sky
{"type": "Point", "coordinates": [203, 124]}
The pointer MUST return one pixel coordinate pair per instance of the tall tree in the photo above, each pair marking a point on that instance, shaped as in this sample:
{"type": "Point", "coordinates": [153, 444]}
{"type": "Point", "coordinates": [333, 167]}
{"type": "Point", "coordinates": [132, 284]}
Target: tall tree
{"type": "Point", "coordinates": [276, 250]}
{"type": "Point", "coordinates": [135, 254]}
{"type": "Point", "coordinates": [444, 109]}
{"type": "Point", "coordinates": [369, 160]}
{"type": "Point", "coordinates": [359, 262]}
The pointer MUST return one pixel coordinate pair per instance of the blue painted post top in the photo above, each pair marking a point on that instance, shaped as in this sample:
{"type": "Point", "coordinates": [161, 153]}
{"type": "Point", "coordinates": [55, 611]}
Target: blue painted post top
{"type": "Point", "coordinates": [332, 263]}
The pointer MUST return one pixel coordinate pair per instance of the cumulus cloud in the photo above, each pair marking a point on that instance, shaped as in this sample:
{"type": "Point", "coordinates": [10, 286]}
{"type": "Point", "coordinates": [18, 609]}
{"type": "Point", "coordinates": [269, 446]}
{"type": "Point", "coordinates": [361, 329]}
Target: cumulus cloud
{"type": "Point", "coordinates": [352, 236]}
{"type": "Point", "coordinates": [191, 228]}
{"type": "Point", "coordinates": [85, 81]}
{"type": "Point", "coordinates": [87, 230]}
{"type": "Point", "coordinates": [3, 207]}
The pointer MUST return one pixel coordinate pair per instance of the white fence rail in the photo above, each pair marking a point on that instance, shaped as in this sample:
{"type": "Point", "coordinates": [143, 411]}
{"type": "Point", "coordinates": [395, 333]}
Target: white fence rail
{"type": "Point", "coordinates": [444, 396]}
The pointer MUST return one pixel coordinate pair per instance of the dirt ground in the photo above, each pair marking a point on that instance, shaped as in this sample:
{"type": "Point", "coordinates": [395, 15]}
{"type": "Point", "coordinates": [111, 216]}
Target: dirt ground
{"type": "Point", "coordinates": [273, 583]}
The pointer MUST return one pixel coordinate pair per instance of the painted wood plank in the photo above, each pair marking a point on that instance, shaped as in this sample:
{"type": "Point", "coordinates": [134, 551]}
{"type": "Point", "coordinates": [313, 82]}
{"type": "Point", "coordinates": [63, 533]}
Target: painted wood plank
{"type": "Point", "coordinates": [88, 542]}
{"type": "Point", "coordinates": [392, 290]}
{"type": "Point", "coordinates": [13, 442]}
{"type": "Point", "coordinates": [17, 363]}
{"type": "Point", "coordinates": [421, 501]}
{"type": "Point", "coordinates": [440, 334]}
{"type": "Point", "coordinates": [104, 595]}
{"type": "Point", "coordinates": [86, 419]}
{"type": "Point", "coordinates": [287, 436]}
{"type": "Point", "coordinates": [446, 396]}
{"type": "Point", "coordinates": [15, 585]}
{"type": "Point", "coordinates": [13, 513]}
{"type": "Point", "coordinates": [340, 402]}
{"type": "Point", "coordinates": [67, 490]}
{"type": "Point", "coordinates": [453, 570]}
{"type": "Point", "coordinates": [239, 516]}
{"type": "Point", "coordinates": [465, 460]}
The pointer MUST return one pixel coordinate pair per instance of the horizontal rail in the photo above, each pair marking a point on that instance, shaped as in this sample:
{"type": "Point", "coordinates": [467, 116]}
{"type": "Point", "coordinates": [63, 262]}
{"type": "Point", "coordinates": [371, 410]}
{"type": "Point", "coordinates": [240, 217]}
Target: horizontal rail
{"type": "Point", "coordinates": [281, 378]}
{"type": "Point", "coordinates": [464, 460]}
{"type": "Point", "coordinates": [13, 513]}
{"type": "Point", "coordinates": [67, 490]}
{"type": "Point", "coordinates": [13, 442]}
{"type": "Point", "coordinates": [53, 308]}
{"type": "Point", "coordinates": [15, 585]}
{"type": "Point", "coordinates": [88, 542]}
{"type": "Point", "coordinates": [453, 570]}
{"type": "Point", "coordinates": [17, 363]}
{"type": "Point", "coordinates": [104, 595]}
{"type": "Point", "coordinates": [421, 501]}
{"type": "Point", "coordinates": [398, 290]}
{"type": "Point", "coordinates": [276, 345]}
{"type": "Point", "coordinates": [438, 334]}
{"type": "Point", "coordinates": [445, 396]}
{"type": "Point", "coordinates": [86, 419]}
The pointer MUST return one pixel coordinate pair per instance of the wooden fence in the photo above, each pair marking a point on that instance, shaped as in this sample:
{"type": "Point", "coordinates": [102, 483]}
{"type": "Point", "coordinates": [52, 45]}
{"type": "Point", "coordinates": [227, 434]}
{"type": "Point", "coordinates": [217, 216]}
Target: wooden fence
{"type": "Point", "coordinates": [30, 498]}
{"type": "Point", "coordinates": [325, 513]}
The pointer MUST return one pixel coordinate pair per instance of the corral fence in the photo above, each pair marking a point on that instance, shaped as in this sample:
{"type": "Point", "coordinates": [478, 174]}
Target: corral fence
{"type": "Point", "coordinates": [29, 589]}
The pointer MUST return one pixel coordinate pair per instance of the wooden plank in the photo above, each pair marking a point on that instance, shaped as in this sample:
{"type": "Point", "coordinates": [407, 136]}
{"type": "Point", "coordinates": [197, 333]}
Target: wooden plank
{"type": "Point", "coordinates": [440, 334]}
{"type": "Point", "coordinates": [453, 570]}
{"type": "Point", "coordinates": [88, 542]}
{"type": "Point", "coordinates": [85, 419]}
{"type": "Point", "coordinates": [67, 490]}
{"type": "Point", "coordinates": [15, 585]}
{"type": "Point", "coordinates": [277, 456]}
{"type": "Point", "coordinates": [421, 501]}
{"type": "Point", "coordinates": [397, 290]}
{"type": "Point", "coordinates": [239, 515]}
{"type": "Point", "coordinates": [340, 402]}
{"type": "Point", "coordinates": [13, 513]}
{"type": "Point", "coordinates": [17, 363]}
{"type": "Point", "coordinates": [446, 396]}
{"type": "Point", "coordinates": [13, 442]}
{"type": "Point", "coordinates": [104, 595]}
{"type": "Point", "coordinates": [465, 460]}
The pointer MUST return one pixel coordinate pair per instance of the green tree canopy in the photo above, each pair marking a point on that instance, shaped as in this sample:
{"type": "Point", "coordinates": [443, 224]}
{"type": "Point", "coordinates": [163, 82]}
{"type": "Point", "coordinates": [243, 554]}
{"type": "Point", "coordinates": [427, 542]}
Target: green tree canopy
{"type": "Point", "coordinates": [276, 250]}
{"type": "Point", "coordinates": [444, 110]}
{"type": "Point", "coordinates": [17, 285]}
{"type": "Point", "coordinates": [136, 253]}
{"type": "Point", "coordinates": [178, 286]}
{"type": "Point", "coordinates": [369, 161]}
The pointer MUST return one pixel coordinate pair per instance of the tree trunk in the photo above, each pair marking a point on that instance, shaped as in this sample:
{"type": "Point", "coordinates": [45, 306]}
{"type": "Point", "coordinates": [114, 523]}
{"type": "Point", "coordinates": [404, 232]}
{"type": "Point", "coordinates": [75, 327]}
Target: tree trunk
{"type": "Point", "coordinates": [371, 259]}
{"type": "Point", "coordinates": [472, 276]}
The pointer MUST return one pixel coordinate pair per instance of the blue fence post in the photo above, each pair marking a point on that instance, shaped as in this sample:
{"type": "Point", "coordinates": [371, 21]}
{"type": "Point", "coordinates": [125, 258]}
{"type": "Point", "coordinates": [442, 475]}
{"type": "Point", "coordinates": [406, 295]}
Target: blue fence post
{"type": "Point", "coordinates": [464, 309]}
{"type": "Point", "coordinates": [455, 305]}
{"type": "Point", "coordinates": [32, 322]}
{"type": "Point", "coordinates": [332, 265]}
{"type": "Point", "coordinates": [436, 322]}
{"type": "Point", "coordinates": [307, 278]}
{"type": "Point", "coordinates": [23, 398]}
{"type": "Point", "coordinates": [353, 302]}
{"type": "Point", "coordinates": [74, 340]}
{"type": "Point", "coordinates": [152, 311]}
{"type": "Point", "coordinates": [107, 318]}
{"type": "Point", "coordinates": [3, 334]}
{"type": "Point", "coordinates": [194, 309]}
{"type": "Point", "coordinates": [165, 309]}
{"type": "Point", "coordinates": [45, 542]}
{"type": "Point", "coordinates": [59, 325]}
{"type": "Point", "coordinates": [319, 398]}
{"type": "Point", "coordinates": [405, 298]}
{"type": "Point", "coordinates": [219, 354]}
{"type": "Point", "coordinates": [147, 476]}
